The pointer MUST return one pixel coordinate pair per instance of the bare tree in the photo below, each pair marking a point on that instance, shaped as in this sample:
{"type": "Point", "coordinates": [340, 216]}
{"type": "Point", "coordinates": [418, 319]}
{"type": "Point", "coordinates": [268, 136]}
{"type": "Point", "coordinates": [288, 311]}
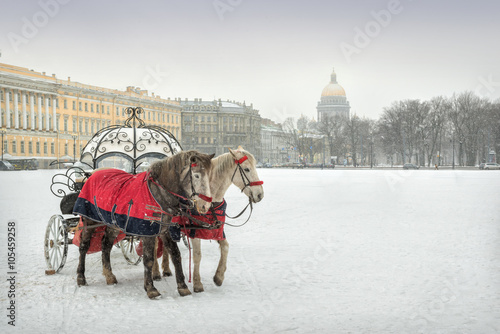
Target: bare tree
{"type": "Point", "coordinates": [331, 126]}
{"type": "Point", "coordinates": [468, 116]}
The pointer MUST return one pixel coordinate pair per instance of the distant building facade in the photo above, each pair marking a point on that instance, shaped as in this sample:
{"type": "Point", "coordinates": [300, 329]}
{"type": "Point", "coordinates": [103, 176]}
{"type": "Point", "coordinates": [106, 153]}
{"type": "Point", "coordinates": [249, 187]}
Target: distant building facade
{"type": "Point", "coordinates": [333, 100]}
{"type": "Point", "coordinates": [45, 118]}
{"type": "Point", "coordinates": [274, 148]}
{"type": "Point", "coordinates": [213, 126]}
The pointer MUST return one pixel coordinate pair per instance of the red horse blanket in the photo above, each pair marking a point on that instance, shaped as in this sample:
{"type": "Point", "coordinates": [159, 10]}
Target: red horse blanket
{"type": "Point", "coordinates": [213, 234]}
{"type": "Point", "coordinates": [121, 200]}
{"type": "Point", "coordinates": [96, 240]}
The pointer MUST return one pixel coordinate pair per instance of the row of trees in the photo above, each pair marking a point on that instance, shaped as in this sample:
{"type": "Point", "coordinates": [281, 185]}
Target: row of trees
{"type": "Point", "coordinates": [461, 129]}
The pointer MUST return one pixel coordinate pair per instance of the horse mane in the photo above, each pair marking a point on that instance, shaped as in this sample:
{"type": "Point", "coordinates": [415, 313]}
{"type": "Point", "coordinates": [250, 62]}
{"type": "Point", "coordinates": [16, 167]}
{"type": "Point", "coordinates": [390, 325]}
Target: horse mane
{"type": "Point", "coordinates": [167, 171]}
{"type": "Point", "coordinates": [226, 161]}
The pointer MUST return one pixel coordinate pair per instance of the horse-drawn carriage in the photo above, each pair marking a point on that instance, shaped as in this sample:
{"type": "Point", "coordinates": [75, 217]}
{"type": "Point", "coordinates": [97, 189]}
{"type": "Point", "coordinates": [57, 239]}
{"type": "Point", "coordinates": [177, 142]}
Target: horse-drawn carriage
{"type": "Point", "coordinates": [171, 197]}
{"type": "Point", "coordinates": [131, 147]}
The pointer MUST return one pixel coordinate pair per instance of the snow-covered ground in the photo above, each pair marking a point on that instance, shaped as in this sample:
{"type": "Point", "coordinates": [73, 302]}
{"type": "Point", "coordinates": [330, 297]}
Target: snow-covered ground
{"type": "Point", "coordinates": [326, 251]}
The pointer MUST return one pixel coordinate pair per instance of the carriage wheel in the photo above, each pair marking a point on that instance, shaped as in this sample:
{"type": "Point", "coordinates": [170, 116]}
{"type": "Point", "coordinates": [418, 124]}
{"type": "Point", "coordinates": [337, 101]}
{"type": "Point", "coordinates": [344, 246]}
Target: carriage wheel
{"type": "Point", "coordinates": [56, 244]}
{"type": "Point", "coordinates": [128, 247]}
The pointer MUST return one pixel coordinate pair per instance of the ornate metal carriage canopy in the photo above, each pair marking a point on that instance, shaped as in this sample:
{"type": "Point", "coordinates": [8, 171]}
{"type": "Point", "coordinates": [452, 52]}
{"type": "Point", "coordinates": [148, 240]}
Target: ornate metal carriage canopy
{"type": "Point", "coordinates": [129, 146]}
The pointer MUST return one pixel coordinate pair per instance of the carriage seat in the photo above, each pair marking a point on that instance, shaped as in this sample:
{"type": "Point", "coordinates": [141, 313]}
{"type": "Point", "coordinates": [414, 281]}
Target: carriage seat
{"type": "Point", "coordinates": [68, 202]}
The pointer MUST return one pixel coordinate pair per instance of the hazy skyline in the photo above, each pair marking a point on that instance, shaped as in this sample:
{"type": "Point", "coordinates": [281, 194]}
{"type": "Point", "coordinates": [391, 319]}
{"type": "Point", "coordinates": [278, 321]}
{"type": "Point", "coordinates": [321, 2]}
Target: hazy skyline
{"type": "Point", "coordinates": [277, 55]}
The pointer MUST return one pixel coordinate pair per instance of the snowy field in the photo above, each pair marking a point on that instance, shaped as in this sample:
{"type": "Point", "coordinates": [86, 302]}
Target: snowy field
{"type": "Point", "coordinates": [333, 251]}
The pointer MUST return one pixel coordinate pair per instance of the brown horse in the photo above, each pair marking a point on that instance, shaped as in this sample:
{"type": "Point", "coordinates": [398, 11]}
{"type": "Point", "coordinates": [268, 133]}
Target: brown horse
{"type": "Point", "coordinates": [185, 173]}
{"type": "Point", "coordinates": [237, 167]}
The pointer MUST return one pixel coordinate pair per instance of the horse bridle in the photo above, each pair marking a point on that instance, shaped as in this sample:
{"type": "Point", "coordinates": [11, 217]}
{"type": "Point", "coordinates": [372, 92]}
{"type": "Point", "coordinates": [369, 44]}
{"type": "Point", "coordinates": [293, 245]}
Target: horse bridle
{"type": "Point", "coordinates": [244, 177]}
{"type": "Point", "coordinates": [246, 183]}
{"type": "Point", "coordinates": [191, 201]}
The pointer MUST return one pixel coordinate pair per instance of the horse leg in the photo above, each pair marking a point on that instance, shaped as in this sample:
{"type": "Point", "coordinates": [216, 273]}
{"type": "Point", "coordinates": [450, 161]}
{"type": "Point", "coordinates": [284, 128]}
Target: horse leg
{"type": "Point", "coordinates": [197, 285]}
{"type": "Point", "coordinates": [165, 263]}
{"type": "Point", "coordinates": [107, 244]}
{"type": "Point", "coordinates": [148, 246]}
{"type": "Point", "coordinates": [156, 267]}
{"type": "Point", "coordinates": [172, 247]}
{"type": "Point", "coordinates": [221, 268]}
{"type": "Point", "coordinates": [85, 237]}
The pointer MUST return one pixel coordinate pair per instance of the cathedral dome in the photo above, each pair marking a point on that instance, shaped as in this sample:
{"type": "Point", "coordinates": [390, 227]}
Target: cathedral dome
{"type": "Point", "coordinates": [333, 88]}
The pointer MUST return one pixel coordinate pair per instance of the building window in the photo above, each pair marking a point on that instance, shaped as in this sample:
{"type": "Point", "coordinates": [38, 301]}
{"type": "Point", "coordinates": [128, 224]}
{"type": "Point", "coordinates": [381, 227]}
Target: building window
{"type": "Point", "coordinates": [86, 107]}
{"type": "Point", "coordinates": [22, 146]}
{"type": "Point", "coordinates": [92, 108]}
{"type": "Point", "coordinates": [107, 110]}
{"type": "Point", "coordinates": [80, 125]}
{"type": "Point", "coordinates": [80, 106]}
{"type": "Point", "coordinates": [117, 112]}
{"type": "Point", "coordinates": [86, 126]}
{"type": "Point", "coordinates": [97, 108]}
{"type": "Point", "coordinates": [37, 147]}
{"type": "Point", "coordinates": [65, 125]}
{"type": "Point", "coordinates": [52, 148]}
{"type": "Point", "coordinates": [14, 147]}
{"type": "Point", "coordinates": [65, 104]}
{"type": "Point", "coordinates": [45, 148]}
{"type": "Point", "coordinates": [74, 105]}
{"type": "Point", "coordinates": [66, 149]}
{"type": "Point", "coordinates": [30, 147]}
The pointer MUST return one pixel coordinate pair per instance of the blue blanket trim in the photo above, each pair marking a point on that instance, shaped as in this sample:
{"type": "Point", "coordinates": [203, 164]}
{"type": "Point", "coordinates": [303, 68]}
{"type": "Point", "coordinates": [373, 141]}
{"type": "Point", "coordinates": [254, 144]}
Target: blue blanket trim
{"type": "Point", "coordinates": [129, 225]}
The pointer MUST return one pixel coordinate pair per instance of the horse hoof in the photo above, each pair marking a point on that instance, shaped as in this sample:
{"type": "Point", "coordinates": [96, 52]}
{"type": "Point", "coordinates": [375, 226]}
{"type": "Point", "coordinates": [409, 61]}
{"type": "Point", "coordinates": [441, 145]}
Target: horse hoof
{"type": "Point", "coordinates": [111, 280]}
{"type": "Point", "coordinates": [184, 292]}
{"type": "Point", "coordinates": [198, 288]}
{"type": "Point", "coordinates": [167, 273]}
{"type": "Point", "coordinates": [81, 281]}
{"type": "Point", "coordinates": [218, 281]}
{"type": "Point", "coordinates": [153, 294]}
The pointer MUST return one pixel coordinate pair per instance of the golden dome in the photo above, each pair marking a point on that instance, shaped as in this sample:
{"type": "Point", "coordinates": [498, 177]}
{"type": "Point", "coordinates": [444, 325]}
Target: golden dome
{"type": "Point", "coordinates": [333, 88]}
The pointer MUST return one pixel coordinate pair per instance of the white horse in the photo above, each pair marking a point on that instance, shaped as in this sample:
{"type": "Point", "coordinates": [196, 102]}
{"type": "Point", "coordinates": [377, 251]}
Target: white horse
{"type": "Point", "coordinates": [237, 167]}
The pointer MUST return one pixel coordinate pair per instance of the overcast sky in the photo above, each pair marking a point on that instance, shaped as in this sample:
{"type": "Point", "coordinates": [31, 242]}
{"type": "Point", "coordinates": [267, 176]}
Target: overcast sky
{"type": "Point", "coordinates": [277, 55]}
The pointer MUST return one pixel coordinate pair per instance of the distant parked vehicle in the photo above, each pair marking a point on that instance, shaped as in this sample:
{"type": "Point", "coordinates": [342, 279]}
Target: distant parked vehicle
{"type": "Point", "coordinates": [5, 165]}
{"type": "Point", "coordinates": [24, 164]}
{"type": "Point", "coordinates": [490, 165]}
{"type": "Point", "coordinates": [410, 166]}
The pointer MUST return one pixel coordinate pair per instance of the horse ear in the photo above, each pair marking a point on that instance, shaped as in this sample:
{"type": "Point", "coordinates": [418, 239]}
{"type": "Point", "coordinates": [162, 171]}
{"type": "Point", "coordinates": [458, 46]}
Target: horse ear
{"type": "Point", "coordinates": [232, 152]}
{"type": "Point", "coordinates": [240, 148]}
{"type": "Point", "coordinates": [211, 156]}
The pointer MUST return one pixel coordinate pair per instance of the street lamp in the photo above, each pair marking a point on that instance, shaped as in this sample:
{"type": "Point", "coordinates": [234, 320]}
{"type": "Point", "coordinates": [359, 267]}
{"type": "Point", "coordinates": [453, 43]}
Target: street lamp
{"type": "Point", "coordinates": [74, 147]}
{"type": "Point", "coordinates": [3, 132]}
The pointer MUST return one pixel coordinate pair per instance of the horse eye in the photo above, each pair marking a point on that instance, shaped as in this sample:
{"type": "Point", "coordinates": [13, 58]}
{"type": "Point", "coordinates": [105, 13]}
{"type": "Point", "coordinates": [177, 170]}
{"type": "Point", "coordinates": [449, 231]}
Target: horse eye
{"type": "Point", "coordinates": [197, 176]}
{"type": "Point", "coordinates": [247, 170]}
